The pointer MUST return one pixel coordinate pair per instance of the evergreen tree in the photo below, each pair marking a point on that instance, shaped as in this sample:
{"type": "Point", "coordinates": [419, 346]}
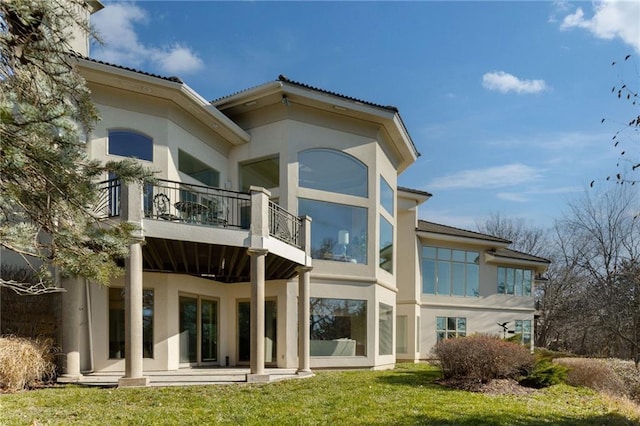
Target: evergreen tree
{"type": "Point", "coordinates": [48, 184]}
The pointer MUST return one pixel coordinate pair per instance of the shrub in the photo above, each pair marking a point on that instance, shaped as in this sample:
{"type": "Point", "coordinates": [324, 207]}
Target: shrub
{"type": "Point", "coordinates": [482, 358]}
{"type": "Point", "coordinates": [25, 363]}
{"type": "Point", "coordinates": [593, 373]}
{"type": "Point", "coordinates": [545, 373]}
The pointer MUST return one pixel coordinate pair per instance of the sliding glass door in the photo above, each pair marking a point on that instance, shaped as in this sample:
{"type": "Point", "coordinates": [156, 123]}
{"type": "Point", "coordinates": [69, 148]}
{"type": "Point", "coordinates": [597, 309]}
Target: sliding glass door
{"type": "Point", "coordinates": [198, 330]}
{"type": "Point", "coordinates": [270, 331]}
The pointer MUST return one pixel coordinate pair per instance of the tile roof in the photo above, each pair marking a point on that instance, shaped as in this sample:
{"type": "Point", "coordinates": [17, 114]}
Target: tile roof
{"type": "Point", "coordinates": [339, 95]}
{"type": "Point", "coordinates": [173, 79]}
{"type": "Point", "coordinates": [284, 79]}
{"type": "Point", "coordinates": [437, 228]}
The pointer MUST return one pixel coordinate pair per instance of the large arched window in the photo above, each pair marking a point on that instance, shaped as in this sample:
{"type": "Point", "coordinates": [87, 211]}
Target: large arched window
{"type": "Point", "coordinates": [333, 171]}
{"type": "Point", "coordinates": [127, 143]}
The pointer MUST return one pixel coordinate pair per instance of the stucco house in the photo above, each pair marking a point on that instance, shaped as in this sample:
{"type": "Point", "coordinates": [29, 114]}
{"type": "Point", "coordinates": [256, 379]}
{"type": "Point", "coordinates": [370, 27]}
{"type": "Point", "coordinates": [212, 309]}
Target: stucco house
{"type": "Point", "coordinates": [276, 235]}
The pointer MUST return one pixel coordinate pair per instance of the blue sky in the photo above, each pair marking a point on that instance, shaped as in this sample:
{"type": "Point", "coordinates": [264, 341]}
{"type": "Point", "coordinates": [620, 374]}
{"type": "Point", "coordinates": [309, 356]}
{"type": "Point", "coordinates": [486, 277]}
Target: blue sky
{"type": "Point", "coordinates": [504, 100]}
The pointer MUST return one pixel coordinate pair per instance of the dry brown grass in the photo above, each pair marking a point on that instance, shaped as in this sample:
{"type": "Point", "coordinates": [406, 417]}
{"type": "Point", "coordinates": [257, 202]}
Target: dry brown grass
{"type": "Point", "coordinates": [597, 374]}
{"type": "Point", "coordinates": [25, 363]}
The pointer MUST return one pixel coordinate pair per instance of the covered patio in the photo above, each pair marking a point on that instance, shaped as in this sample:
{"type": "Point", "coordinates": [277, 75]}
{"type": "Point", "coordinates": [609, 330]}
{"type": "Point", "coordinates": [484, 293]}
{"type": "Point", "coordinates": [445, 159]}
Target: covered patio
{"type": "Point", "coordinates": [259, 242]}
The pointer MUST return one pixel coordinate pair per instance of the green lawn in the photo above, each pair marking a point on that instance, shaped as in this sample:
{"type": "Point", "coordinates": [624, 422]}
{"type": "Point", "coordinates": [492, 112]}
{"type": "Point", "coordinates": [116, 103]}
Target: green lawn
{"type": "Point", "coordinates": [406, 395]}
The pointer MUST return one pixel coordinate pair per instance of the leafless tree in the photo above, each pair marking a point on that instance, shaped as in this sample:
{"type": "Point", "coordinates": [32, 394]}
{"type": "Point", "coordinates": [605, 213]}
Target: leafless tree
{"type": "Point", "coordinates": [524, 237]}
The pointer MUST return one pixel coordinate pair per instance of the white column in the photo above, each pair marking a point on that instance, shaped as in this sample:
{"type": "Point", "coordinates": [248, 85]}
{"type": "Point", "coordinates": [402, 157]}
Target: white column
{"type": "Point", "coordinates": [304, 285]}
{"type": "Point", "coordinates": [257, 315]}
{"type": "Point", "coordinates": [72, 305]}
{"type": "Point", "coordinates": [133, 319]}
{"type": "Point", "coordinates": [132, 211]}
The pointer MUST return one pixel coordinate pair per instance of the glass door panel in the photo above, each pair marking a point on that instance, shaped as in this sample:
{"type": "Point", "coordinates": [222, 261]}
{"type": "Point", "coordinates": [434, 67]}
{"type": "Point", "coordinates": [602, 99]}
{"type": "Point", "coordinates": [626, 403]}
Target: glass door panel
{"type": "Point", "coordinates": [244, 331]}
{"type": "Point", "coordinates": [209, 331]}
{"type": "Point", "coordinates": [188, 329]}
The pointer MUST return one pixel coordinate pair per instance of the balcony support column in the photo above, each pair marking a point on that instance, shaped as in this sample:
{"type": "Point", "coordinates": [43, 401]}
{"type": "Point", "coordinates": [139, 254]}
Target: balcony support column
{"type": "Point", "coordinates": [257, 316]}
{"type": "Point", "coordinates": [304, 273]}
{"type": "Point", "coordinates": [132, 206]}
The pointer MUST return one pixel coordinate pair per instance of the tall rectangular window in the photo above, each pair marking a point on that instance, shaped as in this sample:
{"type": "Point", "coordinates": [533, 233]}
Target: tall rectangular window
{"type": "Point", "coordinates": [386, 196]}
{"type": "Point", "coordinates": [401, 334]}
{"type": "Point", "coordinates": [116, 323]}
{"type": "Point", "coordinates": [450, 272]}
{"type": "Point", "coordinates": [385, 328]}
{"type": "Point", "coordinates": [338, 327]}
{"type": "Point", "coordinates": [386, 245]}
{"type": "Point", "coordinates": [514, 281]}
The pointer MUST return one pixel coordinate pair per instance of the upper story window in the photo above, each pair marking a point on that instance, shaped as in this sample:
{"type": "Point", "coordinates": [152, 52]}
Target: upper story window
{"type": "Point", "coordinates": [386, 196]}
{"type": "Point", "coordinates": [333, 171]}
{"type": "Point", "coordinates": [127, 143]}
{"type": "Point", "coordinates": [264, 173]}
{"type": "Point", "coordinates": [198, 170]}
{"type": "Point", "coordinates": [339, 231]}
{"type": "Point", "coordinates": [450, 272]}
{"type": "Point", "coordinates": [515, 281]}
{"type": "Point", "coordinates": [386, 245]}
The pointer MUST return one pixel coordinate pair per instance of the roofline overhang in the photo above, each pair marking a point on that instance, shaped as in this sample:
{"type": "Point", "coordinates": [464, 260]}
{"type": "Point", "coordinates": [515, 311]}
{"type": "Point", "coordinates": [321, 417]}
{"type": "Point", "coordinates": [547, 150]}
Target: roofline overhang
{"type": "Point", "coordinates": [540, 265]}
{"type": "Point", "coordinates": [418, 196]}
{"type": "Point", "coordinates": [179, 93]}
{"type": "Point", "coordinates": [95, 6]}
{"type": "Point", "coordinates": [390, 120]}
{"type": "Point", "coordinates": [461, 239]}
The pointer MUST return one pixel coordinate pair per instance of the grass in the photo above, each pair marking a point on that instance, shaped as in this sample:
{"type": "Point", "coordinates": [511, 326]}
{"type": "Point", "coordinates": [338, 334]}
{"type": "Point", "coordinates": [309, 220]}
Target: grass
{"type": "Point", "coordinates": [406, 395]}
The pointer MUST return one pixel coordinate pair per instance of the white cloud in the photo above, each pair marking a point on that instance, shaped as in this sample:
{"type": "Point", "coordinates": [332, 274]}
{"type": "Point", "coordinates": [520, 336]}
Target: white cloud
{"type": "Point", "coordinates": [115, 25]}
{"type": "Point", "coordinates": [518, 197]}
{"type": "Point", "coordinates": [492, 177]}
{"type": "Point", "coordinates": [504, 82]}
{"type": "Point", "coordinates": [611, 19]}
{"type": "Point", "coordinates": [525, 196]}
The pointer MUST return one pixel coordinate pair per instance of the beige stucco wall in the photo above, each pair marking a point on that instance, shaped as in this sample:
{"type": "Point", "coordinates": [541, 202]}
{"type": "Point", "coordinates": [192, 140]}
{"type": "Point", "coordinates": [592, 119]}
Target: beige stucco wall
{"type": "Point", "coordinates": [167, 290]}
{"type": "Point", "coordinates": [169, 127]}
{"type": "Point", "coordinates": [479, 320]}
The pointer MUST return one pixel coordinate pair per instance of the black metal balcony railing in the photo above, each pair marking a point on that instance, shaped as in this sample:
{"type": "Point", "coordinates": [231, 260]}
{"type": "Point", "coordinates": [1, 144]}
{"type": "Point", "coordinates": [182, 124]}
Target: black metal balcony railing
{"type": "Point", "coordinates": [283, 225]}
{"type": "Point", "coordinates": [197, 204]}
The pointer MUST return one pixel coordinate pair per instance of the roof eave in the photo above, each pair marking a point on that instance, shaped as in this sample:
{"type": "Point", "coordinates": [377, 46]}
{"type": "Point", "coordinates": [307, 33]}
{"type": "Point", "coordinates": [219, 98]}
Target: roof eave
{"type": "Point", "coordinates": [461, 239]}
{"type": "Point", "coordinates": [388, 118]}
{"type": "Point", "coordinates": [539, 265]}
{"type": "Point", "coordinates": [179, 93]}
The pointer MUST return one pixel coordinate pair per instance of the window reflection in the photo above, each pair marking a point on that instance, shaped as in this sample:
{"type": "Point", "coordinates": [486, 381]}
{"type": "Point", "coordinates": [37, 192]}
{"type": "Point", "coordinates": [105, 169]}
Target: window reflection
{"type": "Point", "coordinates": [386, 245]}
{"type": "Point", "coordinates": [332, 171]}
{"type": "Point", "coordinates": [338, 327]}
{"type": "Point", "coordinates": [127, 143]}
{"type": "Point", "coordinates": [339, 231]}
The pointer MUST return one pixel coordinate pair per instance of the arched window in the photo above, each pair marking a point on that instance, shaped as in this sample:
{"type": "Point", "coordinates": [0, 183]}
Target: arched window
{"type": "Point", "coordinates": [332, 171]}
{"type": "Point", "coordinates": [127, 143]}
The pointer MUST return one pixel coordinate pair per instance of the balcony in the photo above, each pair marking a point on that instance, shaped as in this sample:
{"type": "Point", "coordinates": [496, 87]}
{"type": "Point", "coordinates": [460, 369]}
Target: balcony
{"type": "Point", "coordinates": [205, 231]}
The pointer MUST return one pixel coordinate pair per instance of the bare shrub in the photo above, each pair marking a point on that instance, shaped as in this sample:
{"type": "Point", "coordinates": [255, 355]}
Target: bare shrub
{"type": "Point", "coordinates": [482, 358]}
{"type": "Point", "coordinates": [627, 371]}
{"type": "Point", "coordinates": [25, 363]}
{"type": "Point", "coordinates": [593, 373]}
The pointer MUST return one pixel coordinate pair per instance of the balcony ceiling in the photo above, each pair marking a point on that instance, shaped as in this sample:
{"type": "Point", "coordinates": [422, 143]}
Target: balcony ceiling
{"type": "Point", "coordinates": [216, 262]}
